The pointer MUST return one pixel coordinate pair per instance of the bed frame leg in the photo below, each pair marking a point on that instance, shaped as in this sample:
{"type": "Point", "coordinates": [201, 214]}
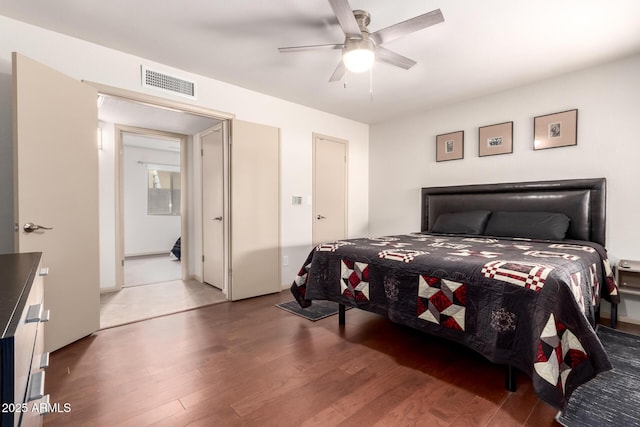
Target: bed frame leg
{"type": "Point", "coordinates": [341, 314]}
{"type": "Point", "coordinates": [614, 315]}
{"type": "Point", "coordinates": [510, 378]}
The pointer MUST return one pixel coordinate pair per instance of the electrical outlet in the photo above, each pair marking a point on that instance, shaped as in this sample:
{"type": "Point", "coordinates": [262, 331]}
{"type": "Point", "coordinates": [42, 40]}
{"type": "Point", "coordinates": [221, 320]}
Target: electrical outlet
{"type": "Point", "coordinates": [285, 260]}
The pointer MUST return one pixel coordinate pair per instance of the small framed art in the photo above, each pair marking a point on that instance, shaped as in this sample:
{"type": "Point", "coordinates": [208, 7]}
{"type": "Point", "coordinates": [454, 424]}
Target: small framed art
{"type": "Point", "coordinates": [495, 139]}
{"type": "Point", "coordinates": [450, 146]}
{"type": "Point", "coordinates": [555, 130]}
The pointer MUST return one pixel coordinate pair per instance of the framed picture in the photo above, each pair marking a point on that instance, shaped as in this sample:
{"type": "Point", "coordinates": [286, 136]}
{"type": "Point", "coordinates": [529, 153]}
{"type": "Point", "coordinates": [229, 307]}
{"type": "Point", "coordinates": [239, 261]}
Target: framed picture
{"type": "Point", "coordinates": [495, 139]}
{"type": "Point", "coordinates": [450, 146]}
{"type": "Point", "coordinates": [555, 130]}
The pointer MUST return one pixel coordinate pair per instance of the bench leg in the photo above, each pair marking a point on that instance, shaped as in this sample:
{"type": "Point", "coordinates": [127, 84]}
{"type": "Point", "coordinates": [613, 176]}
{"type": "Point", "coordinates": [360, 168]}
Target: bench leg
{"type": "Point", "coordinates": [614, 315]}
{"type": "Point", "coordinates": [341, 314]}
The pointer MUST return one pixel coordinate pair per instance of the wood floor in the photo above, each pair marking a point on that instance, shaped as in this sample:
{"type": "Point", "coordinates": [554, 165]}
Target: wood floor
{"type": "Point", "coordinates": [250, 363]}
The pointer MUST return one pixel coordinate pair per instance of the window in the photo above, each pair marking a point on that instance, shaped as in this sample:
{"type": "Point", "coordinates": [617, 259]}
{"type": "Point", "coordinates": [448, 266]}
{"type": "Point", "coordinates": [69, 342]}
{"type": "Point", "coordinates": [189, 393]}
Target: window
{"type": "Point", "coordinates": [163, 191]}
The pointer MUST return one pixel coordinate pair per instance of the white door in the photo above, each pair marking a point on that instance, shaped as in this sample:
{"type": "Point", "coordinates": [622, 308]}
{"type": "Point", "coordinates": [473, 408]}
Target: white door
{"type": "Point", "coordinates": [255, 210]}
{"type": "Point", "coordinates": [56, 185]}
{"type": "Point", "coordinates": [329, 189]}
{"type": "Point", "coordinates": [213, 212]}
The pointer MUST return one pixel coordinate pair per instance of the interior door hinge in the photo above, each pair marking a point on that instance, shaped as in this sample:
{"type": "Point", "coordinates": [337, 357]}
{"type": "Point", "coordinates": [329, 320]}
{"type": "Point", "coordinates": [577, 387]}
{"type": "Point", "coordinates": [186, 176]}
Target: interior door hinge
{"type": "Point", "coordinates": [202, 258]}
{"type": "Point", "coordinates": [202, 151]}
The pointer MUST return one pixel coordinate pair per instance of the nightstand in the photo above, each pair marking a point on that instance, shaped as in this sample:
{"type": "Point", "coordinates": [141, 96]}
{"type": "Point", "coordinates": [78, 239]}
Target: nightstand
{"type": "Point", "coordinates": [628, 279]}
{"type": "Point", "coordinates": [628, 276]}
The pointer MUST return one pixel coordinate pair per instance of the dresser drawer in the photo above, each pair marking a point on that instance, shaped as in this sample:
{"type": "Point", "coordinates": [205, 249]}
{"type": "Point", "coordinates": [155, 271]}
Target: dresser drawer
{"type": "Point", "coordinates": [38, 348]}
{"type": "Point", "coordinates": [36, 400]}
{"type": "Point", "coordinates": [23, 343]}
{"type": "Point", "coordinates": [25, 340]}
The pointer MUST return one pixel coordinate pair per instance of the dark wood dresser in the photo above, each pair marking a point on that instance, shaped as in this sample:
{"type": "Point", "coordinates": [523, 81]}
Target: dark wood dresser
{"type": "Point", "coordinates": [22, 356]}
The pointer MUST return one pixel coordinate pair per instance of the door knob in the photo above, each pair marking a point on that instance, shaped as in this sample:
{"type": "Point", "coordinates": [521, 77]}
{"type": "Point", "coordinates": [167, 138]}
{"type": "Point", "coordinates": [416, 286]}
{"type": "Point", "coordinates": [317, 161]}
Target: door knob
{"type": "Point", "coordinates": [218, 218]}
{"type": "Point", "coordinates": [321, 217]}
{"type": "Point", "coordinates": [30, 227]}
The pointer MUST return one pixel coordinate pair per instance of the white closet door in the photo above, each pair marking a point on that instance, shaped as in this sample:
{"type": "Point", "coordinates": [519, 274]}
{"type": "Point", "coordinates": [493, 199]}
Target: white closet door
{"type": "Point", "coordinates": [255, 210]}
{"type": "Point", "coordinates": [213, 244]}
{"type": "Point", "coordinates": [329, 189]}
{"type": "Point", "coordinates": [56, 185]}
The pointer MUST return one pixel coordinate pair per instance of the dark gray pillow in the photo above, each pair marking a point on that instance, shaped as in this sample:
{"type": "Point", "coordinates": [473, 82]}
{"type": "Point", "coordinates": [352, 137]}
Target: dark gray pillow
{"type": "Point", "coordinates": [471, 222]}
{"type": "Point", "coordinates": [532, 225]}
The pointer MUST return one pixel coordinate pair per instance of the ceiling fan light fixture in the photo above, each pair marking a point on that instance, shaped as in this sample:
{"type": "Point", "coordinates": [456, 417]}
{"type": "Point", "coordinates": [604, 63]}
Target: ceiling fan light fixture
{"type": "Point", "coordinates": [358, 55]}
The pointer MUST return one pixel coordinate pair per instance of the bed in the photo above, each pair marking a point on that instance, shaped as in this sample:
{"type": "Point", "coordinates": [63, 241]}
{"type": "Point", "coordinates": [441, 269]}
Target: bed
{"type": "Point", "coordinates": [513, 271]}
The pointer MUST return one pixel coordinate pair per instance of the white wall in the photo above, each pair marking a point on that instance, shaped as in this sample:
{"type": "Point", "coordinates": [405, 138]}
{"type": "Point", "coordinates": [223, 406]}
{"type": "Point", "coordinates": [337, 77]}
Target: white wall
{"type": "Point", "coordinates": [402, 152]}
{"type": "Point", "coordinates": [87, 61]}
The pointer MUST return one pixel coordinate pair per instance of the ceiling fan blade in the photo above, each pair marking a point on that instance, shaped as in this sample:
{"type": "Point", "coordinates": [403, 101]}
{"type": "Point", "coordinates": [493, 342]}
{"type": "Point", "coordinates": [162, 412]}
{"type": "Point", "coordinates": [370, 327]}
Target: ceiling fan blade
{"type": "Point", "coordinates": [347, 21]}
{"type": "Point", "coordinates": [338, 73]}
{"type": "Point", "coordinates": [311, 47]}
{"type": "Point", "coordinates": [407, 27]}
{"type": "Point", "coordinates": [390, 57]}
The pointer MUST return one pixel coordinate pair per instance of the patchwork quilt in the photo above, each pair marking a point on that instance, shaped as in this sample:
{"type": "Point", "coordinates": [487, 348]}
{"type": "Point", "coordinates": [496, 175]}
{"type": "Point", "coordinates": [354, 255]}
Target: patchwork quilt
{"type": "Point", "coordinates": [525, 303]}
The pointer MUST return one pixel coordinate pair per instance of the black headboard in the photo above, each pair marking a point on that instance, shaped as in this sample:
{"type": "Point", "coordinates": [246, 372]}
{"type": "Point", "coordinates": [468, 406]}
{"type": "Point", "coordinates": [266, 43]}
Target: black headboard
{"type": "Point", "coordinates": [582, 200]}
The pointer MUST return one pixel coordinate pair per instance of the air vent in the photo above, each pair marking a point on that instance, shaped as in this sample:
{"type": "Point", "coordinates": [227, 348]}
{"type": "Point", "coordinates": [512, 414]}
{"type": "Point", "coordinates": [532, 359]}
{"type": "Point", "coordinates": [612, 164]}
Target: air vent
{"type": "Point", "coordinates": [168, 83]}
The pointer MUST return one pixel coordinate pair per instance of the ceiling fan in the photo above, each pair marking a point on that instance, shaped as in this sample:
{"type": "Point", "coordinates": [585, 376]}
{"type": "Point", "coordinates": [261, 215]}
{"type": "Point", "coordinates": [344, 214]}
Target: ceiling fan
{"type": "Point", "coordinates": [361, 48]}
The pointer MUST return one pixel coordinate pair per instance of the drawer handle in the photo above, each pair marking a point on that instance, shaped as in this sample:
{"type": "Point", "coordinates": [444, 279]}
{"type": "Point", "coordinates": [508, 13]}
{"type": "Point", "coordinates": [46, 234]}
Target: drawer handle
{"type": "Point", "coordinates": [34, 313]}
{"type": "Point", "coordinates": [44, 271]}
{"type": "Point", "coordinates": [36, 387]}
{"type": "Point", "coordinates": [44, 405]}
{"type": "Point", "coordinates": [44, 360]}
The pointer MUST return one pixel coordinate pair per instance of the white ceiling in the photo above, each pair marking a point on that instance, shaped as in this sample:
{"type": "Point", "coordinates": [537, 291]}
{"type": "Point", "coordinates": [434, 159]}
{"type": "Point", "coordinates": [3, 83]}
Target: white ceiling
{"type": "Point", "coordinates": [123, 112]}
{"type": "Point", "coordinates": [483, 46]}
{"type": "Point", "coordinates": [151, 142]}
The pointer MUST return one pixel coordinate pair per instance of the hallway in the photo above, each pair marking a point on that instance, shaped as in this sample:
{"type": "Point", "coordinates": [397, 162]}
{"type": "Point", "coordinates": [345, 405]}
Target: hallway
{"type": "Point", "coordinates": [141, 302]}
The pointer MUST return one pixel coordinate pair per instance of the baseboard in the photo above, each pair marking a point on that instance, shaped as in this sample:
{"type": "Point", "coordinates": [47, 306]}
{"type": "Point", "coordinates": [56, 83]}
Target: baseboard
{"type": "Point", "coordinates": [146, 254]}
{"type": "Point", "coordinates": [623, 319]}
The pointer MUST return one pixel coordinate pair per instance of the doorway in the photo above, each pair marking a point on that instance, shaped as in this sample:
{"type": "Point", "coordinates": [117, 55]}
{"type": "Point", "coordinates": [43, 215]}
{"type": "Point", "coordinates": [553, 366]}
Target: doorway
{"type": "Point", "coordinates": [95, 222]}
{"type": "Point", "coordinates": [153, 150]}
{"type": "Point", "coordinates": [152, 177]}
